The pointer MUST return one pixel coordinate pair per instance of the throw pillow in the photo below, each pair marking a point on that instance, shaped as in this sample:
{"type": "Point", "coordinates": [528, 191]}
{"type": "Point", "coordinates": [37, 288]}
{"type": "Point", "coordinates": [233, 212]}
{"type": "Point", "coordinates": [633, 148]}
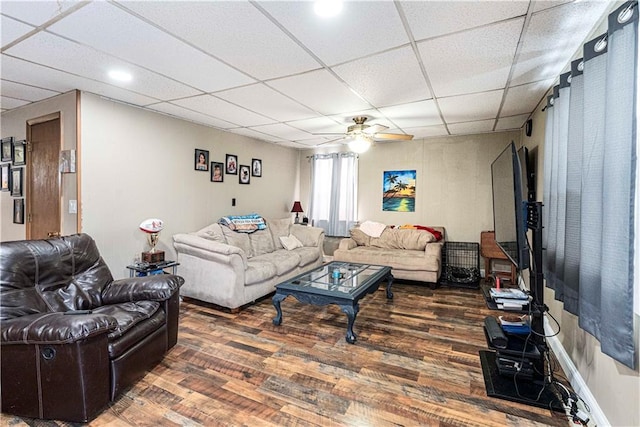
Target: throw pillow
{"type": "Point", "coordinates": [373, 229]}
{"type": "Point", "coordinates": [290, 242]}
{"type": "Point", "coordinates": [359, 237]}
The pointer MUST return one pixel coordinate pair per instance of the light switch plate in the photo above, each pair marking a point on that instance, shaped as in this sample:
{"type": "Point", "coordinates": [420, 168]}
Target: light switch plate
{"type": "Point", "coordinates": [73, 206]}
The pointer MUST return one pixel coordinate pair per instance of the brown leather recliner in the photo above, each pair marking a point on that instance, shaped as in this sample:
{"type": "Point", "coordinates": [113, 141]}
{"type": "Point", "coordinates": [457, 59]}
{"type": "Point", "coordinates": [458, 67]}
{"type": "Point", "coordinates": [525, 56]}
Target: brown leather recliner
{"type": "Point", "coordinates": [74, 338]}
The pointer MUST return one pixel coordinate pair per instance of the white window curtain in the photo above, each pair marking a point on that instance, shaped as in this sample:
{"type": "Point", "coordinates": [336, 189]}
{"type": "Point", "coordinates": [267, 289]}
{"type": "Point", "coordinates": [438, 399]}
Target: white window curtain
{"type": "Point", "coordinates": [334, 192]}
{"type": "Point", "coordinates": [589, 186]}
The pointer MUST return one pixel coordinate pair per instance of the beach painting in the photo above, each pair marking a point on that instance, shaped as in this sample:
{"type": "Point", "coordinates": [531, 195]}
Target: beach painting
{"type": "Point", "coordinates": [399, 191]}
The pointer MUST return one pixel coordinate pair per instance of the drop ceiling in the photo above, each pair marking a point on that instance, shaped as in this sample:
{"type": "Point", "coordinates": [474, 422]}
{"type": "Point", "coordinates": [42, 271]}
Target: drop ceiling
{"type": "Point", "coordinates": [277, 72]}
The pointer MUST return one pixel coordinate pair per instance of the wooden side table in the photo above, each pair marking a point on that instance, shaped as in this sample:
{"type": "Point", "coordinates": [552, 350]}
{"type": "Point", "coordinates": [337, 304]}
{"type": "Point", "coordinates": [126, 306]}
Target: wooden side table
{"type": "Point", "coordinates": [489, 250]}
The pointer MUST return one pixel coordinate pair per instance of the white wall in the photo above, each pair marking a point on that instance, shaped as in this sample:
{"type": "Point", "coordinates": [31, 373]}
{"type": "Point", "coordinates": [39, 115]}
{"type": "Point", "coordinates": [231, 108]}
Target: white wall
{"type": "Point", "coordinates": [137, 164]}
{"type": "Point", "coordinates": [14, 123]}
{"type": "Point", "coordinates": [453, 181]}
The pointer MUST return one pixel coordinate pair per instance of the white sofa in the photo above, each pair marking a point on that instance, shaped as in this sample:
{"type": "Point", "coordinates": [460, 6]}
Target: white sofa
{"type": "Point", "coordinates": [411, 254]}
{"type": "Point", "coordinates": [231, 269]}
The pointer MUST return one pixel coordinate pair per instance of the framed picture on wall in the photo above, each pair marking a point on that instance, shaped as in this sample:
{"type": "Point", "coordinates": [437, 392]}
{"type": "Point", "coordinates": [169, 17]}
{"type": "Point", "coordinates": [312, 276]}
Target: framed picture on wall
{"type": "Point", "coordinates": [232, 164]}
{"type": "Point", "coordinates": [16, 182]}
{"type": "Point", "coordinates": [256, 167]}
{"type": "Point", "coordinates": [6, 177]}
{"type": "Point", "coordinates": [217, 172]}
{"type": "Point", "coordinates": [201, 160]}
{"type": "Point", "coordinates": [19, 153]}
{"type": "Point", "coordinates": [245, 174]}
{"type": "Point", "coordinates": [18, 211]}
{"type": "Point", "coordinates": [7, 149]}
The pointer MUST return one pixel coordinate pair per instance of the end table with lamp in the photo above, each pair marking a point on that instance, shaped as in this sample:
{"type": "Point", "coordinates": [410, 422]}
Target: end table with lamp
{"type": "Point", "coordinates": [297, 208]}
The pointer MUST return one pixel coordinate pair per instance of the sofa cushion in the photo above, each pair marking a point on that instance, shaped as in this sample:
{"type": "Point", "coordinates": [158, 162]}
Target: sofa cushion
{"type": "Point", "coordinates": [145, 328]}
{"type": "Point", "coordinates": [259, 270]}
{"type": "Point", "coordinates": [401, 259]}
{"type": "Point", "coordinates": [403, 239]}
{"type": "Point", "coordinates": [128, 314]}
{"type": "Point", "coordinates": [279, 228]}
{"type": "Point", "coordinates": [360, 237]}
{"type": "Point", "coordinates": [284, 260]}
{"type": "Point", "coordinates": [239, 240]}
{"type": "Point", "coordinates": [307, 255]}
{"type": "Point", "coordinates": [261, 242]}
{"type": "Point", "coordinates": [212, 232]}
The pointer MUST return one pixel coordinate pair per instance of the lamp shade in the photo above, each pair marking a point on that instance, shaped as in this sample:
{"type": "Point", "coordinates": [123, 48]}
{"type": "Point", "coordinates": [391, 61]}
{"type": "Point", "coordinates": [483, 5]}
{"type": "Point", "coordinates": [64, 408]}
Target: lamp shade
{"type": "Point", "coordinates": [297, 207]}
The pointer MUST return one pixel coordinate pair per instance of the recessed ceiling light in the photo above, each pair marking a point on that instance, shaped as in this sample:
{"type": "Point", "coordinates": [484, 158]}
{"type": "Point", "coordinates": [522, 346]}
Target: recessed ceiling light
{"type": "Point", "coordinates": [327, 8]}
{"type": "Point", "coordinates": [121, 76]}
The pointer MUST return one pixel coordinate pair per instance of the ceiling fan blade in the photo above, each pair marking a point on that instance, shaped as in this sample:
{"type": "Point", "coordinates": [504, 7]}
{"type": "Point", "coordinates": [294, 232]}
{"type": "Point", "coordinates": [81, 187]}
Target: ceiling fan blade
{"type": "Point", "coordinates": [374, 129]}
{"type": "Point", "coordinates": [393, 136]}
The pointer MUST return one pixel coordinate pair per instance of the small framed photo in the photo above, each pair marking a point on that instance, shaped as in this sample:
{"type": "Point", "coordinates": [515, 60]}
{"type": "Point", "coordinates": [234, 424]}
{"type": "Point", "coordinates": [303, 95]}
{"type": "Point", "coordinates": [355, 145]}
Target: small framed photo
{"type": "Point", "coordinates": [256, 167]}
{"type": "Point", "coordinates": [18, 211]}
{"type": "Point", "coordinates": [245, 174]}
{"type": "Point", "coordinates": [16, 182]}
{"type": "Point", "coordinates": [217, 172]}
{"type": "Point", "coordinates": [6, 177]}
{"type": "Point", "coordinates": [232, 164]}
{"type": "Point", "coordinates": [19, 153]}
{"type": "Point", "coordinates": [201, 160]}
{"type": "Point", "coordinates": [7, 149]}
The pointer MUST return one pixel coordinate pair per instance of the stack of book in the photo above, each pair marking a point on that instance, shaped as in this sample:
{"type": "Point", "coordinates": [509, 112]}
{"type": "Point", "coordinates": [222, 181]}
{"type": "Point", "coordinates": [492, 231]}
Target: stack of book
{"type": "Point", "coordinates": [509, 298]}
{"type": "Point", "coordinates": [515, 324]}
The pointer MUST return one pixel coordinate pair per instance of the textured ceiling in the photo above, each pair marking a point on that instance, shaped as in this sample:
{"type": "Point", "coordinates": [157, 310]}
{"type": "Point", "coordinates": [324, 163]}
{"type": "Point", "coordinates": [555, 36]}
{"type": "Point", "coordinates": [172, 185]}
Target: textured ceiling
{"type": "Point", "coordinates": [277, 72]}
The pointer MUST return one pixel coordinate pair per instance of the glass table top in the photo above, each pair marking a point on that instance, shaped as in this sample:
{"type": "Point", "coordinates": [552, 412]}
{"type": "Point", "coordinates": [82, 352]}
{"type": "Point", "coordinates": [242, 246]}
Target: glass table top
{"type": "Point", "coordinates": [336, 277]}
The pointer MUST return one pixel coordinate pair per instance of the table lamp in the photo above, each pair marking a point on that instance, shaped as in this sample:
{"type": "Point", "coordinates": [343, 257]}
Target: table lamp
{"type": "Point", "coordinates": [152, 227]}
{"type": "Point", "coordinates": [297, 208]}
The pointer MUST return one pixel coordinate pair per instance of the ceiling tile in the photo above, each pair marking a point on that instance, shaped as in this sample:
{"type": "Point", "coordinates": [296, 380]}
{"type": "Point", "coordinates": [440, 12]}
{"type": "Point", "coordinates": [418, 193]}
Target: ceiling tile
{"type": "Point", "coordinates": [320, 91]}
{"type": "Point", "coordinates": [435, 18]}
{"type": "Point", "coordinates": [471, 127]}
{"type": "Point", "coordinates": [471, 61]}
{"type": "Point", "coordinates": [21, 71]}
{"type": "Point", "coordinates": [523, 99]}
{"type": "Point", "coordinates": [283, 131]}
{"type": "Point", "coordinates": [56, 52]}
{"type": "Point", "coordinates": [223, 110]}
{"type": "Point", "coordinates": [9, 103]}
{"type": "Point", "coordinates": [417, 114]}
{"type": "Point", "coordinates": [12, 30]}
{"type": "Point", "coordinates": [369, 27]}
{"type": "Point", "coordinates": [36, 12]}
{"type": "Point", "coordinates": [260, 97]}
{"type": "Point", "coordinates": [255, 134]}
{"type": "Point", "coordinates": [541, 5]}
{"type": "Point", "coordinates": [553, 37]}
{"type": "Point", "coordinates": [427, 131]}
{"type": "Point", "coordinates": [109, 29]}
{"type": "Point", "coordinates": [318, 125]}
{"type": "Point", "coordinates": [388, 78]}
{"type": "Point", "coordinates": [466, 108]}
{"type": "Point", "coordinates": [513, 122]}
{"type": "Point", "coordinates": [195, 116]}
{"type": "Point", "coordinates": [235, 32]}
{"type": "Point", "coordinates": [25, 92]}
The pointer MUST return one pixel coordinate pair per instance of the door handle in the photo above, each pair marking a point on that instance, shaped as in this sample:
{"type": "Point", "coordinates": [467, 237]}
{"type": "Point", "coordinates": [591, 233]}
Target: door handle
{"type": "Point", "coordinates": [53, 234]}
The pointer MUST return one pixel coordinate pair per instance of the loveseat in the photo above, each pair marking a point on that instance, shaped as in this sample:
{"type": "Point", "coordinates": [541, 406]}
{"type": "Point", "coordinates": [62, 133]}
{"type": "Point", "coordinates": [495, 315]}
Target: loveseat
{"type": "Point", "coordinates": [231, 269]}
{"type": "Point", "coordinates": [72, 337]}
{"type": "Point", "coordinates": [412, 254]}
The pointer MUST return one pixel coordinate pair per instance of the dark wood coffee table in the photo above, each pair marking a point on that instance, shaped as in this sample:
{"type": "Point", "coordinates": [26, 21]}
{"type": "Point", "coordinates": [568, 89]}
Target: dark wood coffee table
{"type": "Point", "coordinates": [319, 287]}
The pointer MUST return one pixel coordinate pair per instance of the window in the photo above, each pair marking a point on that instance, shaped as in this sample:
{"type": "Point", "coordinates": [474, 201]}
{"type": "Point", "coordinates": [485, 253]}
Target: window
{"type": "Point", "coordinates": [334, 192]}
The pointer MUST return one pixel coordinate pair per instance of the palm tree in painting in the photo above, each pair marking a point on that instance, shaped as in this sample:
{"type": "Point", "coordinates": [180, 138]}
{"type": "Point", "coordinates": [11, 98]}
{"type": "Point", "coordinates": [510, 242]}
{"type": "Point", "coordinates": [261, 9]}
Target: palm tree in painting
{"type": "Point", "coordinates": [398, 187]}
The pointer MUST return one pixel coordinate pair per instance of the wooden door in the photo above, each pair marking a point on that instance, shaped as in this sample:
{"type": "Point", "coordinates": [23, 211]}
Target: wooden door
{"type": "Point", "coordinates": [43, 179]}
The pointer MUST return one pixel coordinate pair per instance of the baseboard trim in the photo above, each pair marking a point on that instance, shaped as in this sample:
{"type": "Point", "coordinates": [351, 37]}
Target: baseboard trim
{"type": "Point", "coordinates": [575, 379]}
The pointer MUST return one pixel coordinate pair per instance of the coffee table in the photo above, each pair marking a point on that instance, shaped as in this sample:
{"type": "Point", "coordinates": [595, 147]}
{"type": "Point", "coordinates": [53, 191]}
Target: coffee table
{"type": "Point", "coordinates": [322, 286]}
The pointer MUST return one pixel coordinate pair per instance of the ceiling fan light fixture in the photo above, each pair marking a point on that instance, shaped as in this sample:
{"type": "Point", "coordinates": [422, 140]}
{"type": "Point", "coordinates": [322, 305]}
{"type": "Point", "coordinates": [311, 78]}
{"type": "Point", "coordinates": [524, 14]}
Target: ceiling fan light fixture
{"type": "Point", "coordinates": [360, 143]}
{"type": "Point", "coordinates": [327, 8]}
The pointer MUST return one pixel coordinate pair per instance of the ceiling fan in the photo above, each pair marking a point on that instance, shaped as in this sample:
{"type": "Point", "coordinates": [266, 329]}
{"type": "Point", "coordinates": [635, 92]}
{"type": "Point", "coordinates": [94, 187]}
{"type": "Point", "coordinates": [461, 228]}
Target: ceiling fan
{"type": "Point", "coordinates": [361, 135]}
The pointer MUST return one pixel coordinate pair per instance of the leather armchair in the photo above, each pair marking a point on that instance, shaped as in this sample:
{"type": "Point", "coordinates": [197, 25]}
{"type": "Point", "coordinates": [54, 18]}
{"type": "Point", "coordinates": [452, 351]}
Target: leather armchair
{"type": "Point", "coordinates": [71, 337]}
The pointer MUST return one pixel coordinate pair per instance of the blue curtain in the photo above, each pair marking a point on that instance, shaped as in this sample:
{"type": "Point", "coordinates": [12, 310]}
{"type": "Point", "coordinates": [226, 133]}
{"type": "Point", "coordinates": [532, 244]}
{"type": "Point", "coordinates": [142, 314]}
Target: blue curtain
{"type": "Point", "coordinates": [589, 185]}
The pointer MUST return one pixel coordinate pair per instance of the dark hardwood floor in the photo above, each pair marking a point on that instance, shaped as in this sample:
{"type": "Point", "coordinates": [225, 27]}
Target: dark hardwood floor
{"type": "Point", "coordinates": [415, 363]}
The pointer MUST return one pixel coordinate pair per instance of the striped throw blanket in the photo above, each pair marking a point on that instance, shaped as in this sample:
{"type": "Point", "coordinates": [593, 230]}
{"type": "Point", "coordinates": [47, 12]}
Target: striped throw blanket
{"type": "Point", "coordinates": [243, 223]}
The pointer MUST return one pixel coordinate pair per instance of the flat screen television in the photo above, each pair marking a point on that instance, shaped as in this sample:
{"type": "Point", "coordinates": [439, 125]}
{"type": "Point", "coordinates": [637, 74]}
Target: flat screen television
{"type": "Point", "coordinates": [509, 206]}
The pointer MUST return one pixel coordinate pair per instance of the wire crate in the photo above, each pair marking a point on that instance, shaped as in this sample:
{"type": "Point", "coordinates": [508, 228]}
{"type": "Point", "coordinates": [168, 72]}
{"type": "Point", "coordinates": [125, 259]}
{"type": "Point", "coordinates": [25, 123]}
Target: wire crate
{"type": "Point", "coordinates": [461, 264]}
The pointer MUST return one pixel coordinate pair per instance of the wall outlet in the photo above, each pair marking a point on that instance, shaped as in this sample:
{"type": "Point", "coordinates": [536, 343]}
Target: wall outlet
{"type": "Point", "coordinates": [73, 206]}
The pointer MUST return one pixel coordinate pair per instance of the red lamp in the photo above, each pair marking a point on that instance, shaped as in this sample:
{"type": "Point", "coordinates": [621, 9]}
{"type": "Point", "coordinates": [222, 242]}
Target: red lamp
{"type": "Point", "coordinates": [297, 208]}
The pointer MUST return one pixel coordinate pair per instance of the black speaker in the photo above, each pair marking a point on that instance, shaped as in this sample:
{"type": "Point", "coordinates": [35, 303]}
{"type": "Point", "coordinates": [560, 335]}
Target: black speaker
{"type": "Point", "coordinates": [528, 127]}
